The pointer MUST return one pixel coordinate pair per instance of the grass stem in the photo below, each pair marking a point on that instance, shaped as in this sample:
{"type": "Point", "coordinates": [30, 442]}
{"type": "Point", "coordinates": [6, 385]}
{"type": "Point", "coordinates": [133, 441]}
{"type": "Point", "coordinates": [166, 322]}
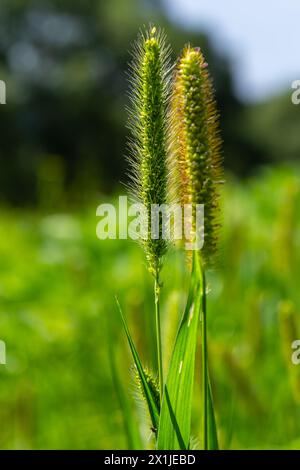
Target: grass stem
{"type": "Point", "coordinates": [204, 364]}
{"type": "Point", "coordinates": [158, 334]}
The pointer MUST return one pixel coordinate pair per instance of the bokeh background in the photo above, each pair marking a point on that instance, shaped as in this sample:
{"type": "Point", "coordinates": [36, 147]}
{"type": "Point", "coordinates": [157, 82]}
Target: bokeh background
{"type": "Point", "coordinates": [62, 153]}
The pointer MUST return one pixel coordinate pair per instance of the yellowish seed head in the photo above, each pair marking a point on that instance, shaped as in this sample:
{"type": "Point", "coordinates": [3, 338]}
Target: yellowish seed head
{"type": "Point", "coordinates": [197, 142]}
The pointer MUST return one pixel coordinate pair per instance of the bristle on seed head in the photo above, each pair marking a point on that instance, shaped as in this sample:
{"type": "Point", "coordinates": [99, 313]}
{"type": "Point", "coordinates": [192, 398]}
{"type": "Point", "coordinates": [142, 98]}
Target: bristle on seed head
{"type": "Point", "coordinates": [196, 142]}
{"type": "Point", "coordinates": [150, 92]}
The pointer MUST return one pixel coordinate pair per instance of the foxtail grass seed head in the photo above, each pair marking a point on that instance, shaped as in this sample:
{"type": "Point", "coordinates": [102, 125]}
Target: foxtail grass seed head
{"type": "Point", "coordinates": [148, 124]}
{"type": "Point", "coordinates": [196, 142]}
{"type": "Point", "coordinates": [154, 387]}
{"type": "Point", "coordinates": [152, 383]}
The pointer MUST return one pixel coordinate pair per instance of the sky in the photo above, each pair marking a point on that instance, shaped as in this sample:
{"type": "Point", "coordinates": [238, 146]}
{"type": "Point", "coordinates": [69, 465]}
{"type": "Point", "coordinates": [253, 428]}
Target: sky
{"type": "Point", "coordinates": [261, 36]}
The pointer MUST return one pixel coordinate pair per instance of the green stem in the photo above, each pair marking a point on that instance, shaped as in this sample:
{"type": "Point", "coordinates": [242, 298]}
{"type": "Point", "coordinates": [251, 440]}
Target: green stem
{"type": "Point", "coordinates": [204, 363]}
{"type": "Point", "coordinates": [158, 334]}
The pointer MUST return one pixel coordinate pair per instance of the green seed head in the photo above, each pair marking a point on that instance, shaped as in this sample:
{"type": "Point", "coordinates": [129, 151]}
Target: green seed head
{"type": "Point", "coordinates": [148, 125]}
{"type": "Point", "coordinates": [196, 142]}
{"type": "Point", "coordinates": [153, 385]}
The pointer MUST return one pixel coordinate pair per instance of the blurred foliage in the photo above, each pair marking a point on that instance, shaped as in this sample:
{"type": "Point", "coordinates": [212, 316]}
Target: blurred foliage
{"type": "Point", "coordinates": [63, 140]}
{"type": "Point", "coordinates": [274, 128]}
{"type": "Point", "coordinates": [57, 287]}
{"type": "Point", "coordinates": [65, 65]}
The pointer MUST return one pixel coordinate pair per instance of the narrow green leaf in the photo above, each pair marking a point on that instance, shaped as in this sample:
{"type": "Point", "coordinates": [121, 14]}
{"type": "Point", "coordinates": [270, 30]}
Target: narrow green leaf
{"type": "Point", "coordinates": [211, 422]}
{"type": "Point", "coordinates": [211, 440]}
{"type": "Point", "coordinates": [150, 399]}
{"type": "Point", "coordinates": [175, 418]}
{"type": "Point", "coordinates": [132, 433]}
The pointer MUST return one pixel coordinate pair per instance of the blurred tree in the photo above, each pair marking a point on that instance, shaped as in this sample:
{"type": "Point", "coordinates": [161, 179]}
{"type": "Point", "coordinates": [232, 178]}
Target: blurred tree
{"type": "Point", "coordinates": [273, 126]}
{"type": "Point", "coordinates": [64, 63]}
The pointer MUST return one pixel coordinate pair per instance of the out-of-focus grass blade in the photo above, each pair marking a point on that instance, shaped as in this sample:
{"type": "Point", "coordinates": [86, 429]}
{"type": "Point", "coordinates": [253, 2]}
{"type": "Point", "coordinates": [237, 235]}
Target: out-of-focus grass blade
{"type": "Point", "coordinates": [132, 433]}
{"type": "Point", "coordinates": [150, 399]}
{"type": "Point", "coordinates": [175, 418]}
{"type": "Point", "coordinates": [212, 440]}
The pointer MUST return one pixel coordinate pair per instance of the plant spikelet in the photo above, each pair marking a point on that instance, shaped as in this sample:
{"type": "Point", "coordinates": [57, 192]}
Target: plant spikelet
{"type": "Point", "coordinates": [196, 142]}
{"type": "Point", "coordinates": [148, 124]}
{"type": "Point", "coordinates": [154, 387]}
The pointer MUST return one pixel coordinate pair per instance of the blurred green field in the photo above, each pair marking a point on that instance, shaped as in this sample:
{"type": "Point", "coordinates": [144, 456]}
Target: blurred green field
{"type": "Point", "coordinates": [57, 288]}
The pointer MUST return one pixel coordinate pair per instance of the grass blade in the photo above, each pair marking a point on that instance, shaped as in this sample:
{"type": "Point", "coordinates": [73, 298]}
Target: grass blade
{"type": "Point", "coordinates": [175, 418]}
{"type": "Point", "coordinates": [212, 441]}
{"type": "Point", "coordinates": [209, 429]}
{"type": "Point", "coordinates": [150, 398]}
{"type": "Point", "coordinates": [132, 433]}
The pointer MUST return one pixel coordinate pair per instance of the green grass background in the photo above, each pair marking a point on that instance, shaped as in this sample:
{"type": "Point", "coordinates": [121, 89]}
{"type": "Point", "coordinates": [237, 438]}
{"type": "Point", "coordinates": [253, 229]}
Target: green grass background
{"type": "Point", "coordinates": [57, 288]}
